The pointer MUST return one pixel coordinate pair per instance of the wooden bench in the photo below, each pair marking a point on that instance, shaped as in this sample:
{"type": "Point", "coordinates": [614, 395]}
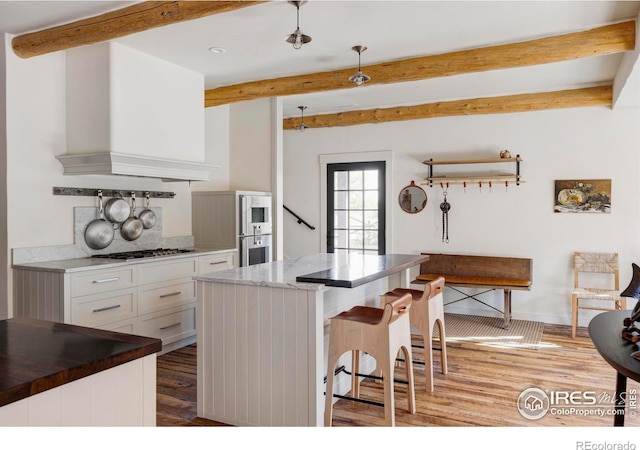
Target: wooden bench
{"type": "Point", "coordinates": [471, 271]}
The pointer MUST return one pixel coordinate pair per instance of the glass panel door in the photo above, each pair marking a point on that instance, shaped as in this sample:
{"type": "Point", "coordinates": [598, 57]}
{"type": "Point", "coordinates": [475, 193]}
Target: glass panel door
{"type": "Point", "coordinates": [355, 208]}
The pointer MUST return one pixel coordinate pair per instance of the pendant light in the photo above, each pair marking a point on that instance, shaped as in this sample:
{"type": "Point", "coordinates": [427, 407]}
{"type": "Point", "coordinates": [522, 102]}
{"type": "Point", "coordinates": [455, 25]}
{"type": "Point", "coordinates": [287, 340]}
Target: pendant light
{"type": "Point", "coordinates": [297, 38]}
{"type": "Point", "coordinates": [301, 126]}
{"type": "Point", "coordinates": [359, 78]}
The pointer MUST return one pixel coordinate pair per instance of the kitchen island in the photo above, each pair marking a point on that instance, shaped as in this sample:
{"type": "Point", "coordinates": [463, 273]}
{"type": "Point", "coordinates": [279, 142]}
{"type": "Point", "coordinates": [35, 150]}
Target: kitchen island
{"type": "Point", "coordinates": [54, 374]}
{"type": "Point", "coordinates": [262, 333]}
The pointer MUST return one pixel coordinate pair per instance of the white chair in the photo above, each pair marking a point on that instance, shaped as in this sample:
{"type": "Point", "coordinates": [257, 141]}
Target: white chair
{"type": "Point", "coordinates": [381, 332]}
{"type": "Point", "coordinates": [608, 290]}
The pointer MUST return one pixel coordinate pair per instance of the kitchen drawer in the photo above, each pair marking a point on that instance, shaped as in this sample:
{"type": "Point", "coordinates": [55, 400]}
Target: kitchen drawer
{"type": "Point", "coordinates": [96, 281]}
{"type": "Point", "coordinates": [169, 327]}
{"type": "Point", "coordinates": [123, 326]}
{"type": "Point", "coordinates": [160, 296]}
{"type": "Point", "coordinates": [100, 309]}
{"type": "Point", "coordinates": [169, 270]}
{"type": "Point", "coordinates": [214, 263]}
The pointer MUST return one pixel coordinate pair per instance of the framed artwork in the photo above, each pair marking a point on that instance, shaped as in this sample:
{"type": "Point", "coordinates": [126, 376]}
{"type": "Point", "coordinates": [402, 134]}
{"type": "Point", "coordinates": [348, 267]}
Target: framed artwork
{"type": "Point", "coordinates": [583, 196]}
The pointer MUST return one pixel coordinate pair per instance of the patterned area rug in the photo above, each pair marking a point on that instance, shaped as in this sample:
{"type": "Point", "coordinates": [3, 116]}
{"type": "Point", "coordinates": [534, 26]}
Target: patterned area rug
{"type": "Point", "coordinates": [488, 331]}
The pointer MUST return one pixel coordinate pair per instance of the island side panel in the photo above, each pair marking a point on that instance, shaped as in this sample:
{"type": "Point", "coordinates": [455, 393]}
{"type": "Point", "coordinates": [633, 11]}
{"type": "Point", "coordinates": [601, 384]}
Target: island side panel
{"type": "Point", "coordinates": [259, 355]}
{"type": "Point", "coordinates": [124, 395]}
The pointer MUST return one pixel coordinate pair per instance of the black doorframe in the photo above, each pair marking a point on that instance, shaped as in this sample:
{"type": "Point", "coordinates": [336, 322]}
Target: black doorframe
{"type": "Point", "coordinates": [380, 166]}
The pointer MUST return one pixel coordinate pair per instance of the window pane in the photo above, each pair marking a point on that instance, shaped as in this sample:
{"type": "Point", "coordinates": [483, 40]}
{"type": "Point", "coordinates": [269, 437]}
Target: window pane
{"type": "Point", "coordinates": [371, 199]}
{"type": "Point", "coordinates": [371, 219]}
{"type": "Point", "coordinates": [340, 199]}
{"type": "Point", "coordinates": [341, 180]}
{"type": "Point", "coordinates": [371, 240]}
{"type": "Point", "coordinates": [355, 199]}
{"type": "Point", "coordinates": [371, 179]}
{"type": "Point", "coordinates": [355, 239]}
{"type": "Point", "coordinates": [340, 238]}
{"type": "Point", "coordinates": [355, 219]}
{"type": "Point", "coordinates": [340, 219]}
{"type": "Point", "coordinates": [355, 179]}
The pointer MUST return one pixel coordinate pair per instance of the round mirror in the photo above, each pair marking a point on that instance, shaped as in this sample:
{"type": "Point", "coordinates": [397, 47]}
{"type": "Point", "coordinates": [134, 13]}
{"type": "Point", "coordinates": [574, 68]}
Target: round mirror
{"type": "Point", "coordinates": [412, 198]}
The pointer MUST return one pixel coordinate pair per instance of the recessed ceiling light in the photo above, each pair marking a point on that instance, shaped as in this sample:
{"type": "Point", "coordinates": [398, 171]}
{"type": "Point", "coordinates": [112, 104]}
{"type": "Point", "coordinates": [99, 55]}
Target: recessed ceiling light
{"type": "Point", "coordinates": [217, 49]}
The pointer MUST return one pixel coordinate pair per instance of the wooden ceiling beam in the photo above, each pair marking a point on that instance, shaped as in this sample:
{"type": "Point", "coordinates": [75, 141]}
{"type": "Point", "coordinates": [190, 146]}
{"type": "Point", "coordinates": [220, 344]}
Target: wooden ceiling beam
{"type": "Point", "coordinates": [119, 23]}
{"type": "Point", "coordinates": [574, 98]}
{"type": "Point", "coordinates": [616, 38]}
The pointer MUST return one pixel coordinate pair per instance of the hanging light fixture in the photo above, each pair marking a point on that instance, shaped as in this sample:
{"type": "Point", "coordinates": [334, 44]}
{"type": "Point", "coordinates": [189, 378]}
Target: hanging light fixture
{"type": "Point", "coordinates": [301, 126]}
{"type": "Point", "coordinates": [359, 78]}
{"type": "Point", "coordinates": [297, 38]}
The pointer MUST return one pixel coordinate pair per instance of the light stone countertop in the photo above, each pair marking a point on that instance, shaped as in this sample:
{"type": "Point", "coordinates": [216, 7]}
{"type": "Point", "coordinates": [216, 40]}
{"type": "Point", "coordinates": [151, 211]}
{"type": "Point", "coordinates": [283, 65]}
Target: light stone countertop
{"type": "Point", "coordinates": [83, 264]}
{"type": "Point", "coordinates": [326, 269]}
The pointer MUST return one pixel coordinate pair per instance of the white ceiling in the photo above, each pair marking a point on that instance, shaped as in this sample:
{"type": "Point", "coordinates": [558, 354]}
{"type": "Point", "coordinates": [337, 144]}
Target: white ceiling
{"type": "Point", "coordinates": [254, 40]}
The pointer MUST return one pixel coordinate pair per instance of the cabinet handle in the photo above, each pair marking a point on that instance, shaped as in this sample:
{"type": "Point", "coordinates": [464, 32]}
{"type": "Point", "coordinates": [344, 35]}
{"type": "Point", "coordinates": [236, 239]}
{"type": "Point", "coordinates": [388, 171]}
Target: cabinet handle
{"type": "Point", "coordinates": [169, 326]}
{"type": "Point", "coordinates": [106, 280]}
{"type": "Point", "coordinates": [171, 295]}
{"type": "Point", "coordinates": [217, 262]}
{"type": "Point", "coordinates": [108, 308]}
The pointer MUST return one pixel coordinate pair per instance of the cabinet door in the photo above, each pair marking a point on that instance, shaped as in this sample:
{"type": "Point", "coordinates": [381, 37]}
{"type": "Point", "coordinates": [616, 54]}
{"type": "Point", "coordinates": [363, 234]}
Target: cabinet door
{"type": "Point", "coordinates": [161, 296]}
{"type": "Point", "coordinates": [169, 326]}
{"type": "Point", "coordinates": [101, 309]}
{"type": "Point", "coordinates": [217, 262]}
{"type": "Point", "coordinates": [122, 326]}
{"type": "Point", "coordinates": [97, 281]}
{"type": "Point", "coordinates": [167, 270]}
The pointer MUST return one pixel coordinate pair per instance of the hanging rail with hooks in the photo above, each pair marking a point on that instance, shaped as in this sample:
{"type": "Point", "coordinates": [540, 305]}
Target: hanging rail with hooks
{"type": "Point", "coordinates": [86, 192]}
{"type": "Point", "coordinates": [479, 184]}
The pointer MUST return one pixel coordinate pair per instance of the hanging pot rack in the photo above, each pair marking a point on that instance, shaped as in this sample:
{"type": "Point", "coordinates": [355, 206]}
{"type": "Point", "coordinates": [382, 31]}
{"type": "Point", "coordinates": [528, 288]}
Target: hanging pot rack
{"type": "Point", "coordinates": [89, 192]}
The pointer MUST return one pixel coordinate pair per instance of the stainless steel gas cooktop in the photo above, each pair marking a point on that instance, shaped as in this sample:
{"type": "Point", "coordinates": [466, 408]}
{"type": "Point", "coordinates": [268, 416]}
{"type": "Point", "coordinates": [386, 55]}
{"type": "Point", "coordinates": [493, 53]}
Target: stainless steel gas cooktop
{"type": "Point", "coordinates": [151, 253]}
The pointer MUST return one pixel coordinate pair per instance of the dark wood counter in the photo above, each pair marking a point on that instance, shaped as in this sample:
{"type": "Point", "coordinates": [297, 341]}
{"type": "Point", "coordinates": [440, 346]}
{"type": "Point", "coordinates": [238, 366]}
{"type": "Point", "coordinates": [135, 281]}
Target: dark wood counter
{"type": "Point", "coordinates": [38, 355]}
{"type": "Point", "coordinates": [357, 270]}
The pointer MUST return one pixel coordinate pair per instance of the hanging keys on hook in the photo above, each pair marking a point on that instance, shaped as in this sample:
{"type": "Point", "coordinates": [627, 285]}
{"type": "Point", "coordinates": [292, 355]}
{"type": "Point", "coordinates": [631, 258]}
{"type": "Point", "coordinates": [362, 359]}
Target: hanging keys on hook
{"type": "Point", "coordinates": [445, 206]}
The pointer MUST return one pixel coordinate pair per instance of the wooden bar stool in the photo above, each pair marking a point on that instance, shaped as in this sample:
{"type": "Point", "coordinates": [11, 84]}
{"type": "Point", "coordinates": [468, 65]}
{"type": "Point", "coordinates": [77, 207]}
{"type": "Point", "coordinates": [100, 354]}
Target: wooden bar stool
{"type": "Point", "coordinates": [426, 311]}
{"type": "Point", "coordinates": [381, 332]}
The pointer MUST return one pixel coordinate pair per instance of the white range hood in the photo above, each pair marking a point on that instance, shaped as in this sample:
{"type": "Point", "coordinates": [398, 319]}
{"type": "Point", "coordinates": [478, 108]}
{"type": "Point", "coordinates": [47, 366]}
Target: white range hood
{"type": "Point", "coordinates": [132, 114]}
{"type": "Point", "coordinates": [109, 163]}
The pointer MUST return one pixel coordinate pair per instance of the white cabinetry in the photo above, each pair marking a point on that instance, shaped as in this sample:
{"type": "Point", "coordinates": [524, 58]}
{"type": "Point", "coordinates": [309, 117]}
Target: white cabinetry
{"type": "Point", "coordinates": [104, 299]}
{"type": "Point", "coordinates": [154, 299]}
{"type": "Point", "coordinates": [167, 303]}
{"type": "Point", "coordinates": [216, 262]}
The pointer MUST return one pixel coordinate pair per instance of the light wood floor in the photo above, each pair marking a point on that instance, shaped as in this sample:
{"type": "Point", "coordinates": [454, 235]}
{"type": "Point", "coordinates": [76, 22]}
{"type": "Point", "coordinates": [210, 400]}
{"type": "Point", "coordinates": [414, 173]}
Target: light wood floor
{"type": "Point", "coordinates": [481, 388]}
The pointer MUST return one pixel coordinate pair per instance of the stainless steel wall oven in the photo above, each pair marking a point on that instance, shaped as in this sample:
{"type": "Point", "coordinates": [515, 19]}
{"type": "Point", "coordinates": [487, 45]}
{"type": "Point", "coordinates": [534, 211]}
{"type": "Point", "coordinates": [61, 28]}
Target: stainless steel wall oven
{"type": "Point", "coordinates": [255, 229]}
